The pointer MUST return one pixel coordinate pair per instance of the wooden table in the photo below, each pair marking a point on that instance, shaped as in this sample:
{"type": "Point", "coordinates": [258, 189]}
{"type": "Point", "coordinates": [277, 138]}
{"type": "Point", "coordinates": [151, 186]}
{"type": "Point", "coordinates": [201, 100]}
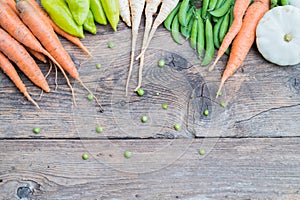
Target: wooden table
{"type": "Point", "coordinates": [252, 145]}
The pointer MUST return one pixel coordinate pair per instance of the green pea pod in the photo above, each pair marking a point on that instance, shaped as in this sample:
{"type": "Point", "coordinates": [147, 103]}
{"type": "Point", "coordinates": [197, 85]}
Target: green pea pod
{"type": "Point", "coordinates": [224, 27]}
{"type": "Point", "coordinates": [61, 15]}
{"type": "Point", "coordinates": [194, 34]}
{"type": "Point", "coordinates": [111, 10]}
{"type": "Point", "coordinates": [284, 2]}
{"type": "Point", "coordinates": [175, 30]}
{"type": "Point", "coordinates": [222, 10]}
{"type": "Point", "coordinates": [220, 3]}
{"type": "Point", "coordinates": [274, 3]}
{"type": "Point", "coordinates": [212, 4]}
{"type": "Point", "coordinates": [183, 10]}
{"type": "Point", "coordinates": [209, 49]}
{"type": "Point", "coordinates": [98, 12]}
{"type": "Point", "coordinates": [168, 21]}
{"type": "Point", "coordinates": [200, 34]}
{"type": "Point", "coordinates": [185, 30]}
{"type": "Point", "coordinates": [231, 18]}
{"type": "Point", "coordinates": [216, 31]}
{"type": "Point", "coordinates": [79, 10]}
{"type": "Point", "coordinates": [89, 24]}
{"type": "Point", "coordinates": [205, 4]}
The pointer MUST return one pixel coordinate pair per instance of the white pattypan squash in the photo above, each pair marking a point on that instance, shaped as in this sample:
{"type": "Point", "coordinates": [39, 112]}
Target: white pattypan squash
{"type": "Point", "coordinates": [295, 3]}
{"type": "Point", "coordinates": [278, 35]}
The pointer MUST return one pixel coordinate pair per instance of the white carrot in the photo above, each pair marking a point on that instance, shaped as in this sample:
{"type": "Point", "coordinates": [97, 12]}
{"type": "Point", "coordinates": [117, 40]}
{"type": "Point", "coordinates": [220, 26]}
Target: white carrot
{"type": "Point", "coordinates": [125, 11]}
{"type": "Point", "coordinates": [136, 7]}
{"type": "Point", "coordinates": [150, 10]}
{"type": "Point", "coordinates": [166, 8]}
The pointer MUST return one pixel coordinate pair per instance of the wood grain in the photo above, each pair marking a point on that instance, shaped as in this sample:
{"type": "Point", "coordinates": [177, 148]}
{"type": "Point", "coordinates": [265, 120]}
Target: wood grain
{"type": "Point", "coordinates": [230, 169]}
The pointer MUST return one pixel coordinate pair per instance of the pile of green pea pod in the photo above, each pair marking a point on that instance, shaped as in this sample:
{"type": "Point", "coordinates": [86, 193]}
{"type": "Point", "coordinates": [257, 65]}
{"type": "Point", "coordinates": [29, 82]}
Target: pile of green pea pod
{"type": "Point", "coordinates": [75, 16]}
{"type": "Point", "coordinates": [205, 25]}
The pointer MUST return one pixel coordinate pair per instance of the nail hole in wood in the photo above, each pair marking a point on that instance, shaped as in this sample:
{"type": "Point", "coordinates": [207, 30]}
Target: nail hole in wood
{"type": "Point", "coordinates": [24, 192]}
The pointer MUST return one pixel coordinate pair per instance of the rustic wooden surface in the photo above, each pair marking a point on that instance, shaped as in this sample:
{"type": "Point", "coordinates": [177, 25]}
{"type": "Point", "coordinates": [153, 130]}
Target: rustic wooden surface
{"type": "Point", "coordinates": [252, 145]}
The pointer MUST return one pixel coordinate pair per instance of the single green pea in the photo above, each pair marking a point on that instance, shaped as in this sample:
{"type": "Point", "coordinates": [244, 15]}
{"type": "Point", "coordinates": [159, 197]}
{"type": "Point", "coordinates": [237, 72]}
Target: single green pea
{"type": "Point", "coordinates": [223, 104]}
{"type": "Point", "coordinates": [209, 51]}
{"type": "Point", "coordinates": [111, 45]}
{"type": "Point", "coordinates": [36, 130]}
{"type": "Point", "coordinates": [90, 97]}
{"type": "Point", "coordinates": [175, 30]}
{"type": "Point", "coordinates": [165, 106]}
{"type": "Point", "coordinates": [99, 129]}
{"type": "Point", "coordinates": [206, 112]}
{"type": "Point", "coordinates": [161, 63]}
{"type": "Point", "coordinates": [157, 93]}
{"type": "Point", "coordinates": [201, 151]}
{"type": "Point", "coordinates": [98, 66]}
{"type": "Point", "coordinates": [168, 21]}
{"type": "Point", "coordinates": [140, 92]}
{"type": "Point", "coordinates": [144, 119]}
{"type": "Point", "coordinates": [85, 156]}
{"type": "Point", "coordinates": [177, 127]}
{"type": "Point", "coordinates": [127, 154]}
{"type": "Point", "coordinates": [219, 94]}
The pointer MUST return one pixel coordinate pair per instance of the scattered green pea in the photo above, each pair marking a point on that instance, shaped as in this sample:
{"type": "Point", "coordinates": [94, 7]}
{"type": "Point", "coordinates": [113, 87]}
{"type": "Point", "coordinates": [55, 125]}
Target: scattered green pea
{"type": "Point", "coordinates": [219, 93]}
{"type": "Point", "coordinates": [201, 151]}
{"type": "Point", "coordinates": [157, 93]}
{"type": "Point", "coordinates": [98, 66]}
{"type": "Point", "coordinates": [222, 104]}
{"type": "Point", "coordinates": [127, 154]}
{"type": "Point", "coordinates": [99, 129]}
{"type": "Point", "coordinates": [140, 92]}
{"type": "Point", "coordinates": [177, 127]}
{"type": "Point", "coordinates": [85, 156]}
{"type": "Point", "coordinates": [206, 112]}
{"type": "Point", "coordinates": [36, 130]}
{"type": "Point", "coordinates": [90, 97]}
{"type": "Point", "coordinates": [161, 63]}
{"type": "Point", "coordinates": [144, 119]}
{"type": "Point", "coordinates": [165, 106]}
{"type": "Point", "coordinates": [111, 45]}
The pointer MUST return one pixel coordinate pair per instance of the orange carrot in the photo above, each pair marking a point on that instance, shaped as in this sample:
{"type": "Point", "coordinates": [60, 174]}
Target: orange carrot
{"type": "Point", "coordinates": [71, 38]}
{"type": "Point", "coordinates": [18, 54]}
{"type": "Point", "coordinates": [10, 3]}
{"type": "Point", "coordinates": [240, 7]}
{"type": "Point", "coordinates": [37, 55]}
{"type": "Point", "coordinates": [10, 71]}
{"type": "Point", "coordinates": [244, 39]}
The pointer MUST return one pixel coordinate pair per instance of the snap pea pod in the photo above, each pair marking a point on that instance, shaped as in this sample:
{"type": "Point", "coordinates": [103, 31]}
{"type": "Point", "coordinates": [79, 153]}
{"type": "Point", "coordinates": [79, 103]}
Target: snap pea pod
{"type": "Point", "coordinates": [200, 34]}
{"type": "Point", "coordinates": [216, 30]}
{"type": "Point", "coordinates": [194, 34]}
{"type": "Point", "coordinates": [168, 21]}
{"type": "Point", "coordinates": [185, 30]}
{"type": "Point", "coordinates": [231, 17]}
{"type": "Point", "coordinates": [209, 49]}
{"type": "Point", "coordinates": [59, 12]}
{"type": "Point", "coordinates": [220, 3]}
{"type": "Point", "coordinates": [274, 3]}
{"type": "Point", "coordinates": [212, 4]}
{"type": "Point", "coordinates": [222, 10]}
{"type": "Point", "coordinates": [284, 2]}
{"type": "Point", "coordinates": [98, 12]}
{"type": "Point", "coordinates": [111, 10]}
{"type": "Point", "coordinates": [205, 4]}
{"type": "Point", "coordinates": [175, 30]}
{"type": "Point", "coordinates": [89, 24]}
{"type": "Point", "coordinates": [183, 10]}
{"type": "Point", "coordinates": [224, 27]}
{"type": "Point", "coordinates": [79, 10]}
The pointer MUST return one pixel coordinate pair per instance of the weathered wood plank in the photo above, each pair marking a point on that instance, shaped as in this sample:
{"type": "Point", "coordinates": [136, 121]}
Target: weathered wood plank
{"type": "Point", "coordinates": [230, 169]}
{"type": "Point", "coordinates": [262, 99]}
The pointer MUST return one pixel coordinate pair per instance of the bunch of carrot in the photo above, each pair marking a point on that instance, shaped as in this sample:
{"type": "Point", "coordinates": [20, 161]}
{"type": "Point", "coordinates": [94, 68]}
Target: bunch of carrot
{"type": "Point", "coordinates": [26, 29]}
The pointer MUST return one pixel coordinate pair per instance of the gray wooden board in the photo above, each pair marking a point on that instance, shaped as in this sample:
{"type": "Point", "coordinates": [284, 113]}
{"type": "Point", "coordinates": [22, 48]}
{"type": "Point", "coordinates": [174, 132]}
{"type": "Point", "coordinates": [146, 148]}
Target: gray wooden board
{"type": "Point", "coordinates": [231, 169]}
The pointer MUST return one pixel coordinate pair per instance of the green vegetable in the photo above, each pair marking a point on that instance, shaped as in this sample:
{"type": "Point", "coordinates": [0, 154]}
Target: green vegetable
{"type": "Point", "coordinates": [186, 30]}
{"type": "Point", "coordinates": [200, 34]}
{"type": "Point", "coordinates": [111, 45]}
{"type": "Point", "coordinates": [222, 10]}
{"type": "Point", "coordinates": [111, 10]}
{"type": "Point", "coordinates": [161, 63]}
{"type": "Point", "coordinates": [165, 106]}
{"type": "Point", "coordinates": [127, 154]}
{"type": "Point", "coordinates": [177, 127]}
{"type": "Point", "coordinates": [89, 24]}
{"type": "Point", "coordinates": [98, 12]}
{"type": "Point", "coordinates": [140, 92]}
{"type": "Point", "coordinates": [99, 129]}
{"type": "Point", "coordinates": [36, 130]}
{"type": "Point", "coordinates": [205, 4]}
{"type": "Point", "coordinates": [212, 4]}
{"type": "Point", "coordinates": [61, 15]}
{"type": "Point", "coordinates": [182, 14]}
{"type": "Point", "coordinates": [222, 104]}
{"type": "Point", "coordinates": [157, 93]}
{"type": "Point", "coordinates": [175, 30]}
{"type": "Point", "coordinates": [220, 3]}
{"type": "Point", "coordinates": [201, 151]}
{"type": "Point", "coordinates": [216, 31]}
{"type": "Point", "coordinates": [209, 50]}
{"type": "Point", "coordinates": [284, 2]}
{"type": "Point", "coordinates": [98, 66]}
{"type": "Point", "coordinates": [194, 33]}
{"type": "Point", "coordinates": [144, 119]}
{"type": "Point", "coordinates": [85, 156]}
{"type": "Point", "coordinates": [90, 97]}
{"type": "Point", "coordinates": [224, 27]}
{"type": "Point", "coordinates": [79, 10]}
{"type": "Point", "coordinates": [206, 112]}
{"type": "Point", "coordinates": [168, 21]}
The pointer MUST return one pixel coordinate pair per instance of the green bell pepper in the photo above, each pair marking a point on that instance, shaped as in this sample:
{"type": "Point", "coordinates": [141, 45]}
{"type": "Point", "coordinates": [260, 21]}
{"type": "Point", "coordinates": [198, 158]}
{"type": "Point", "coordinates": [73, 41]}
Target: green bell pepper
{"type": "Point", "coordinates": [89, 24]}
